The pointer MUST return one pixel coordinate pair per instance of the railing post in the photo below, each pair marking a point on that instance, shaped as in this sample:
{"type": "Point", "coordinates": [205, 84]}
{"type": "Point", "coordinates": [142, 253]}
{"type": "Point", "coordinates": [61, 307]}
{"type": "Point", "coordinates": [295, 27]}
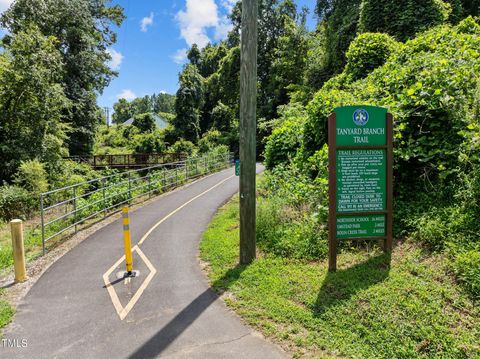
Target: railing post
{"type": "Point", "coordinates": [186, 170]}
{"type": "Point", "coordinates": [129, 187]}
{"type": "Point", "coordinates": [43, 224]}
{"type": "Point", "coordinates": [75, 207]}
{"type": "Point", "coordinates": [104, 184]}
{"type": "Point", "coordinates": [196, 166]}
{"type": "Point", "coordinates": [164, 180]}
{"type": "Point", "coordinates": [149, 185]}
{"type": "Point", "coordinates": [176, 175]}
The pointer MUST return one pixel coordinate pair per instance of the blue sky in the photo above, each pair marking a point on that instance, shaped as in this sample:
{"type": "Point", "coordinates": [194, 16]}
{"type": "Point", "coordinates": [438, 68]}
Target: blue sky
{"type": "Point", "coordinates": [153, 39]}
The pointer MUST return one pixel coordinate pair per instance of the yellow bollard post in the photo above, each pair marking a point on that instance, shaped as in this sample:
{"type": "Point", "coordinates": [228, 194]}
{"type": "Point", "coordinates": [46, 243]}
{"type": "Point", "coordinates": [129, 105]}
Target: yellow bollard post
{"type": "Point", "coordinates": [16, 227]}
{"type": "Point", "coordinates": [127, 241]}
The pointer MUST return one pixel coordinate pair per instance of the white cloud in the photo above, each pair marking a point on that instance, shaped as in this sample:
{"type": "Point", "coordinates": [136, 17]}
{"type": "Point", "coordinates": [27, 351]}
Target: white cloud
{"type": "Point", "coordinates": [127, 94]}
{"type": "Point", "coordinates": [180, 56]}
{"type": "Point", "coordinates": [223, 28]}
{"type": "Point", "coordinates": [228, 4]}
{"type": "Point", "coordinates": [4, 5]}
{"type": "Point", "coordinates": [163, 92]}
{"type": "Point", "coordinates": [116, 60]}
{"type": "Point", "coordinates": [198, 16]}
{"type": "Point", "coordinates": [146, 22]}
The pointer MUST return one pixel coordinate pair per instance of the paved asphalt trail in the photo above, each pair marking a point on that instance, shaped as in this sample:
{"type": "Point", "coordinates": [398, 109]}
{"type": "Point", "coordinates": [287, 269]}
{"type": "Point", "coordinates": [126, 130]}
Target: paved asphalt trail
{"type": "Point", "coordinates": [68, 313]}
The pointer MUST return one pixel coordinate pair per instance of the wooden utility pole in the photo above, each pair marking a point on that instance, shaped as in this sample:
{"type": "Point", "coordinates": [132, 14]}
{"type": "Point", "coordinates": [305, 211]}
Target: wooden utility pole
{"type": "Point", "coordinates": [248, 129]}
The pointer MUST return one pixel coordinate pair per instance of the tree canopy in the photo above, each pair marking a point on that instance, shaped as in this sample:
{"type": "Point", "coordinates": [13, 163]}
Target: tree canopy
{"type": "Point", "coordinates": [83, 33]}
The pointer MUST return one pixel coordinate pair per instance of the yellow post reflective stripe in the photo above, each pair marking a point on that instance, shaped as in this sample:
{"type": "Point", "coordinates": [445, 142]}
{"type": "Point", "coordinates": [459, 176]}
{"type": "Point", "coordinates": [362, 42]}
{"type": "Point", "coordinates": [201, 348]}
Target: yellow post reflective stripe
{"type": "Point", "coordinates": [127, 240]}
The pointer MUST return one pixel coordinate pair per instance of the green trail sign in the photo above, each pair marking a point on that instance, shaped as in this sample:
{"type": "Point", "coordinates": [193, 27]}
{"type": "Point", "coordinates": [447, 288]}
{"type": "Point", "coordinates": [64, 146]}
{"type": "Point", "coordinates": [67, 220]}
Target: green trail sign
{"type": "Point", "coordinates": [237, 168]}
{"type": "Point", "coordinates": [360, 176]}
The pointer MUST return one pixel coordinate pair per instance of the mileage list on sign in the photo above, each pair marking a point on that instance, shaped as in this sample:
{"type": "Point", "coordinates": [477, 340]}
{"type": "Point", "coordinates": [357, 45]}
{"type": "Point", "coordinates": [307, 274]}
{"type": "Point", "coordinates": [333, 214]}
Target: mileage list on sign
{"type": "Point", "coordinates": [361, 180]}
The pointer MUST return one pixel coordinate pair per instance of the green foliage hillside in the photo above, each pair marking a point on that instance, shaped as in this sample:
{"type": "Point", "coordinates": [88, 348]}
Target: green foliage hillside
{"type": "Point", "coordinates": [83, 32]}
{"type": "Point", "coordinates": [431, 85]}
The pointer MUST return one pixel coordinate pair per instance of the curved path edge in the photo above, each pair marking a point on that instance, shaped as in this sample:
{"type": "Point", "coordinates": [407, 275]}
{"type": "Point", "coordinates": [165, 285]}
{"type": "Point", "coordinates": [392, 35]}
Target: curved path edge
{"type": "Point", "coordinates": [69, 313]}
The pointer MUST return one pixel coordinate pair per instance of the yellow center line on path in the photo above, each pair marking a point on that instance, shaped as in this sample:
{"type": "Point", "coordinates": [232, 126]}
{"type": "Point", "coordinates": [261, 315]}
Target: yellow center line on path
{"type": "Point", "coordinates": [180, 208]}
{"type": "Point", "coordinates": [121, 311]}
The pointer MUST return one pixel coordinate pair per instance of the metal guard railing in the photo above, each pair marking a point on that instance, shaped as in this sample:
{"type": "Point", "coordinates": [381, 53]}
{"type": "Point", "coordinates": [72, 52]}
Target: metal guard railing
{"type": "Point", "coordinates": [66, 208]}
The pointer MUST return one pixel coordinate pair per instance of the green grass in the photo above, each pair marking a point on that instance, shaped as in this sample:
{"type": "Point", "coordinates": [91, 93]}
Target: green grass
{"type": "Point", "coordinates": [410, 309]}
{"type": "Point", "coordinates": [33, 244]}
{"type": "Point", "coordinates": [6, 311]}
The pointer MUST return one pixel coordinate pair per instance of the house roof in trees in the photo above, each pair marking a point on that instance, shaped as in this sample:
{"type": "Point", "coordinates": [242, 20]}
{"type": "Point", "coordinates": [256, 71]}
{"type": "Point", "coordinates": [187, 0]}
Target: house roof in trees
{"type": "Point", "coordinates": [160, 122]}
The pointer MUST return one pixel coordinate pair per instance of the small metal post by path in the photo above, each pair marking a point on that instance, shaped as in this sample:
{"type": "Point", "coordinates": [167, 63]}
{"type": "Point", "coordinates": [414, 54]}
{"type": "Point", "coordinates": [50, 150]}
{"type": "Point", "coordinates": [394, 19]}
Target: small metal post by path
{"type": "Point", "coordinates": [16, 227]}
{"type": "Point", "coordinates": [127, 241]}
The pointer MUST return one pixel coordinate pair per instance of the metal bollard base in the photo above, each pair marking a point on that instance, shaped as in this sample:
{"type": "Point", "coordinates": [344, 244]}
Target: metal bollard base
{"type": "Point", "coordinates": [124, 274]}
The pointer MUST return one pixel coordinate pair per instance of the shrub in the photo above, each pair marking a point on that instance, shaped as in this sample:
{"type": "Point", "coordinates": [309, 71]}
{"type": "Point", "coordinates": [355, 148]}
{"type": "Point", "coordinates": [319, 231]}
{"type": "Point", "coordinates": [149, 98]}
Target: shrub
{"type": "Point", "coordinates": [432, 230]}
{"type": "Point", "coordinates": [209, 141]}
{"type": "Point", "coordinates": [32, 176]}
{"type": "Point", "coordinates": [149, 142]}
{"type": "Point", "coordinates": [402, 19]}
{"type": "Point", "coordinates": [217, 151]}
{"type": "Point", "coordinates": [223, 117]}
{"type": "Point", "coordinates": [289, 232]}
{"type": "Point", "coordinates": [286, 138]}
{"type": "Point", "coordinates": [318, 110]}
{"type": "Point", "coordinates": [144, 122]}
{"type": "Point", "coordinates": [183, 146]}
{"type": "Point", "coordinates": [368, 52]}
{"type": "Point", "coordinates": [70, 173]}
{"type": "Point", "coordinates": [430, 88]}
{"type": "Point", "coordinates": [16, 202]}
{"type": "Point", "coordinates": [467, 268]}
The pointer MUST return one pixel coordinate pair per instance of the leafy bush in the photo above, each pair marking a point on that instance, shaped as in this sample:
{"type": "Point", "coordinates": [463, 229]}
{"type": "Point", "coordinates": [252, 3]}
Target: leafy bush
{"type": "Point", "coordinates": [16, 202]}
{"type": "Point", "coordinates": [368, 52]}
{"type": "Point", "coordinates": [32, 176]}
{"type": "Point", "coordinates": [282, 230]}
{"type": "Point", "coordinates": [292, 215]}
{"type": "Point", "coordinates": [318, 110]}
{"type": "Point", "coordinates": [286, 138]}
{"type": "Point", "coordinates": [430, 87]}
{"type": "Point", "coordinates": [432, 229]}
{"type": "Point", "coordinates": [70, 172]}
{"type": "Point", "coordinates": [209, 141]}
{"type": "Point", "coordinates": [144, 122]}
{"type": "Point", "coordinates": [183, 146]}
{"type": "Point", "coordinates": [402, 19]}
{"type": "Point", "coordinates": [149, 142]}
{"type": "Point", "coordinates": [115, 139]}
{"type": "Point", "coordinates": [467, 268]}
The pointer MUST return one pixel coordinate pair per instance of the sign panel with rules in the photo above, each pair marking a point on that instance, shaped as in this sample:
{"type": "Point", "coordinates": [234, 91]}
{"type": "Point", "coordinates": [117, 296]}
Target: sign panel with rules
{"type": "Point", "coordinates": [360, 159]}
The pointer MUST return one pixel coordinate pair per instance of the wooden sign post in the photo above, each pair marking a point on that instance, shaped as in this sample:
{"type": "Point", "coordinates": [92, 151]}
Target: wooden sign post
{"type": "Point", "coordinates": [360, 160]}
